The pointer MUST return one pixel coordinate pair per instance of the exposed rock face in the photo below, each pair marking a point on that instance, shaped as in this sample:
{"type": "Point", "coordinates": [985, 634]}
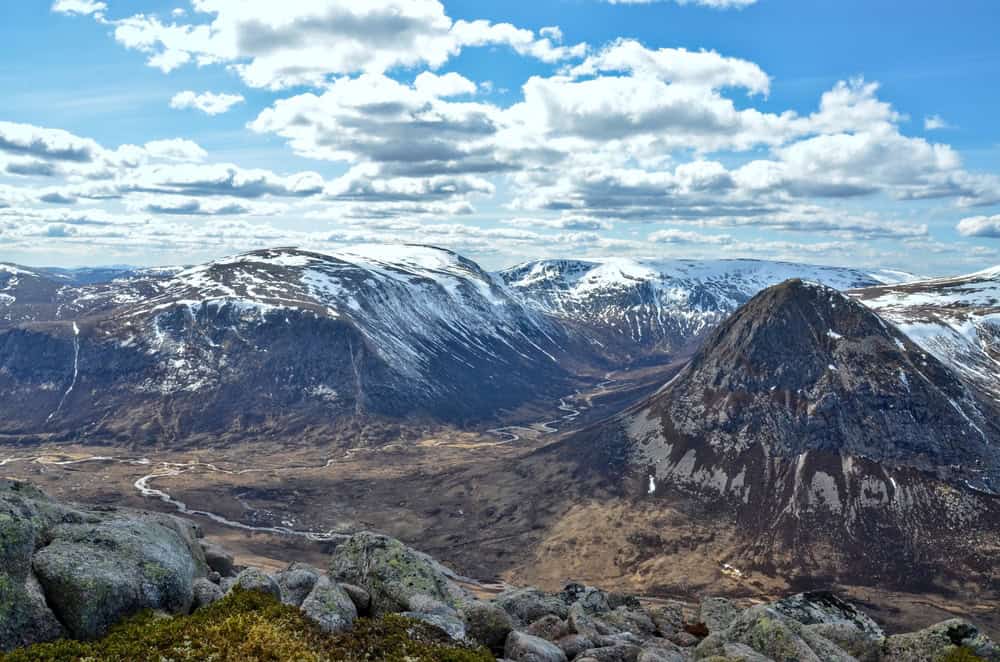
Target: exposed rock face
{"type": "Point", "coordinates": [282, 339]}
{"type": "Point", "coordinates": [823, 428]}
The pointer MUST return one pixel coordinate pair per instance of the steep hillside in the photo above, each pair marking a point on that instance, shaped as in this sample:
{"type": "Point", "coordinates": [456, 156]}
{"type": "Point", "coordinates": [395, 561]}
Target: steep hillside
{"type": "Point", "coordinates": [955, 319]}
{"type": "Point", "coordinates": [825, 429]}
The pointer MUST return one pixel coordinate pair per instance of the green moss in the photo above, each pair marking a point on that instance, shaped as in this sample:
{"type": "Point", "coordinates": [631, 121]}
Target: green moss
{"type": "Point", "coordinates": [960, 654]}
{"type": "Point", "coordinates": [250, 625]}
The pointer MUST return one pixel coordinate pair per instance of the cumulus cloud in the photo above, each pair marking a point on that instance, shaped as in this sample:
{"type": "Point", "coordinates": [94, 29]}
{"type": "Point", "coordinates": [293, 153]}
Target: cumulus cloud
{"type": "Point", "coordinates": [280, 45]}
{"type": "Point", "coordinates": [82, 7]}
{"type": "Point", "coordinates": [220, 179]}
{"type": "Point", "coordinates": [47, 144]}
{"type": "Point", "coordinates": [176, 149]}
{"type": "Point", "coordinates": [980, 226]}
{"type": "Point", "coordinates": [207, 102]}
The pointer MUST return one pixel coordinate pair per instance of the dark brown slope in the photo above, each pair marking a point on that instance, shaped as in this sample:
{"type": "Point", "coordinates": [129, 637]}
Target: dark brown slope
{"type": "Point", "coordinates": [834, 445]}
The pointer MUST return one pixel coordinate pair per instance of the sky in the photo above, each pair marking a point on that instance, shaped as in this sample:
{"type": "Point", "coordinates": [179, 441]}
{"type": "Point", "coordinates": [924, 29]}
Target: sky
{"type": "Point", "coordinates": [846, 132]}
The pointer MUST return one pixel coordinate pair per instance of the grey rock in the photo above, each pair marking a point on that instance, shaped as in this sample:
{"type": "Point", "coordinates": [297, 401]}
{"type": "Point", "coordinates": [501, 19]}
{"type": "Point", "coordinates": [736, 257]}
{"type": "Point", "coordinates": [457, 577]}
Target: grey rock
{"type": "Point", "coordinates": [663, 652]}
{"type": "Point", "coordinates": [96, 574]}
{"type": "Point", "coordinates": [422, 603]}
{"type": "Point", "coordinates": [592, 599]}
{"type": "Point", "coordinates": [743, 653]}
{"type": "Point", "coordinates": [392, 573]}
{"type": "Point", "coordinates": [453, 626]}
{"type": "Point", "coordinates": [936, 641]}
{"type": "Point", "coordinates": [773, 635]}
{"type": "Point", "coordinates": [487, 624]}
{"type": "Point", "coordinates": [683, 639]}
{"type": "Point", "coordinates": [717, 613]}
{"type": "Point", "coordinates": [668, 618]}
{"type": "Point", "coordinates": [574, 644]}
{"type": "Point", "coordinates": [329, 606]}
{"type": "Point", "coordinates": [214, 577]}
{"type": "Point", "coordinates": [25, 618]}
{"type": "Point", "coordinates": [253, 579]}
{"type": "Point", "coordinates": [362, 600]}
{"type": "Point", "coordinates": [522, 647]}
{"type": "Point", "coordinates": [628, 619]}
{"type": "Point", "coordinates": [205, 593]}
{"type": "Point", "coordinates": [526, 605]}
{"type": "Point", "coordinates": [549, 627]}
{"type": "Point", "coordinates": [850, 639]}
{"type": "Point", "coordinates": [824, 607]}
{"type": "Point", "coordinates": [218, 559]}
{"type": "Point", "coordinates": [617, 653]}
{"type": "Point", "coordinates": [296, 582]}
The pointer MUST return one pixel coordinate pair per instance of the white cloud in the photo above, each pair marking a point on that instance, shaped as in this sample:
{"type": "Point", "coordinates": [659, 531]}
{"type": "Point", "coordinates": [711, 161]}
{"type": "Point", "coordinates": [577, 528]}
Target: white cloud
{"type": "Point", "coordinates": [176, 149]}
{"type": "Point", "coordinates": [980, 226]}
{"type": "Point", "coordinates": [82, 7]}
{"type": "Point", "coordinates": [207, 102]}
{"type": "Point", "coordinates": [673, 236]}
{"type": "Point", "coordinates": [450, 84]}
{"type": "Point", "coordinates": [280, 45]}
{"type": "Point", "coordinates": [935, 123]}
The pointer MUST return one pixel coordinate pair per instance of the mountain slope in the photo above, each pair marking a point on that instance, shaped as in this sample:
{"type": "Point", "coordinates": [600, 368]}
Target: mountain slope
{"type": "Point", "coordinates": [955, 319]}
{"type": "Point", "coordinates": [279, 334]}
{"type": "Point", "coordinates": [661, 305]}
{"type": "Point", "coordinates": [825, 429]}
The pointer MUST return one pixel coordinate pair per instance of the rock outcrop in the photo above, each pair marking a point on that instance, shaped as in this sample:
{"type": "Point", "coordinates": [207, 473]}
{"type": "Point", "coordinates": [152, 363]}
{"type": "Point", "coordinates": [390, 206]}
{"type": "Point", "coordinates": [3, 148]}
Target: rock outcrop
{"type": "Point", "coordinates": [74, 572]}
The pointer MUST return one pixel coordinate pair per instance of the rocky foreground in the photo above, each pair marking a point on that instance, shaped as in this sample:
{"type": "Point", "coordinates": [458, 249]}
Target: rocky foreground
{"type": "Point", "coordinates": [72, 573]}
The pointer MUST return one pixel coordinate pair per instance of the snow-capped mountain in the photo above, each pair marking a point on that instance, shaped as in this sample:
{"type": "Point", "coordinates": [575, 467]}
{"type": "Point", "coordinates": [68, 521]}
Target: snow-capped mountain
{"type": "Point", "coordinates": [955, 319]}
{"type": "Point", "coordinates": [662, 305]}
{"type": "Point", "coordinates": [243, 341]}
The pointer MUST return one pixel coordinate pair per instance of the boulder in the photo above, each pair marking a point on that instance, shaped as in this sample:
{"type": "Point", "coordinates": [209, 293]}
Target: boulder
{"type": "Point", "coordinates": [296, 581]}
{"type": "Point", "coordinates": [453, 626]}
{"type": "Point", "coordinates": [487, 625]}
{"type": "Point", "coordinates": [391, 573]}
{"type": "Point", "coordinates": [360, 596]}
{"type": "Point", "coordinates": [815, 607]}
{"type": "Point", "coordinates": [952, 637]}
{"type": "Point", "coordinates": [526, 605]}
{"type": "Point", "coordinates": [95, 574]}
{"type": "Point", "coordinates": [522, 647]}
{"type": "Point", "coordinates": [616, 653]}
{"type": "Point", "coordinates": [628, 619]}
{"type": "Point", "coordinates": [25, 618]}
{"type": "Point", "coordinates": [574, 644]}
{"type": "Point", "coordinates": [329, 606]}
{"type": "Point", "coordinates": [850, 639]}
{"type": "Point", "coordinates": [662, 652]}
{"type": "Point", "coordinates": [668, 618]}
{"type": "Point", "coordinates": [773, 635]}
{"type": "Point", "coordinates": [253, 579]}
{"type": "Point", "coordinates": [593, 600]}
{"type": "Point", "coordinates": [717, 613]}
{"type": "Point", "coordinates": [205, 592]}
{"type": "Point", "coordinates": [549, 627]}
{"type": "Point", "coordinates": [218, 559]}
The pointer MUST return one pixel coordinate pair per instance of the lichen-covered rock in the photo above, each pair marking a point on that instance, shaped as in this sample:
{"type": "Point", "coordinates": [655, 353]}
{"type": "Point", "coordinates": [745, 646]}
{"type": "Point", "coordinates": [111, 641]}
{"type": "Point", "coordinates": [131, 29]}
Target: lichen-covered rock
{"type": "Point", "coordinates": [574, 644]}
{"type": "Point", "coordinates": [392, 573]}
{"type": "Point", "coordinates": [717, 613]}
{"type": "Point", "coordinates": [253, 579]}
{"type": "Point", "coordinates": [522, 647]}
{"type": "Point", "coordinates": [453, 626]}
{"type": "Point", "coordinates": [296, 581]}
{"type": "Point", "coordinates": [549, 627]}
{"type": "Point", "coordinates": [850, 639]}
{"type": "Point", "coordinates": [362, 600]}
{"type": "Point", "coordinates": [487, 625]}
{"type": "Point", "coordinates": [952, 637]}
{"type": "Point", "coordinates": [616, 653]}
{"type": "Point", "coordinates": [773, 635]}
{"type": "Point", "coordinates": [24, 617]}
{"type": "Point", "coordinates": [815, 607]}
{"type": "Point", "coordinates": [628, 619]}
{"type": "Point", "coordinates": [592, 599]}
{"type": "Point", "coordinates": [526, 605]}
{"type": "Point", "coordinates": [329, 606]}
{"type": "Point", "coordinates": [205, 593]}
{"type": "Point", "coordinates": [668, 618]}
{"type": "Point", "coordinates": [663, 652]}
{"type": "Point", "coordinates": [96, 574]}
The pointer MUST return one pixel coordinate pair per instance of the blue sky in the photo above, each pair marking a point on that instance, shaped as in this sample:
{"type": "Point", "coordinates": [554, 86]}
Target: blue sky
{"type": "Point", "coordinates": [843, 132]}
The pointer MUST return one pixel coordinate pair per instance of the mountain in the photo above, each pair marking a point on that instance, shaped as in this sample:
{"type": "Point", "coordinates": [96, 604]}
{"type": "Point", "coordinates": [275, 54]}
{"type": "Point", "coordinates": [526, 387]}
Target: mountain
{"type": "Point", "coordinates": [271, 339]}
{"type": "Point", "coordinates": [641, 306]}
{"type": "Point", "coordinates": [839, 446]}
{"type": "Point", "coordinates": [955, 319]}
